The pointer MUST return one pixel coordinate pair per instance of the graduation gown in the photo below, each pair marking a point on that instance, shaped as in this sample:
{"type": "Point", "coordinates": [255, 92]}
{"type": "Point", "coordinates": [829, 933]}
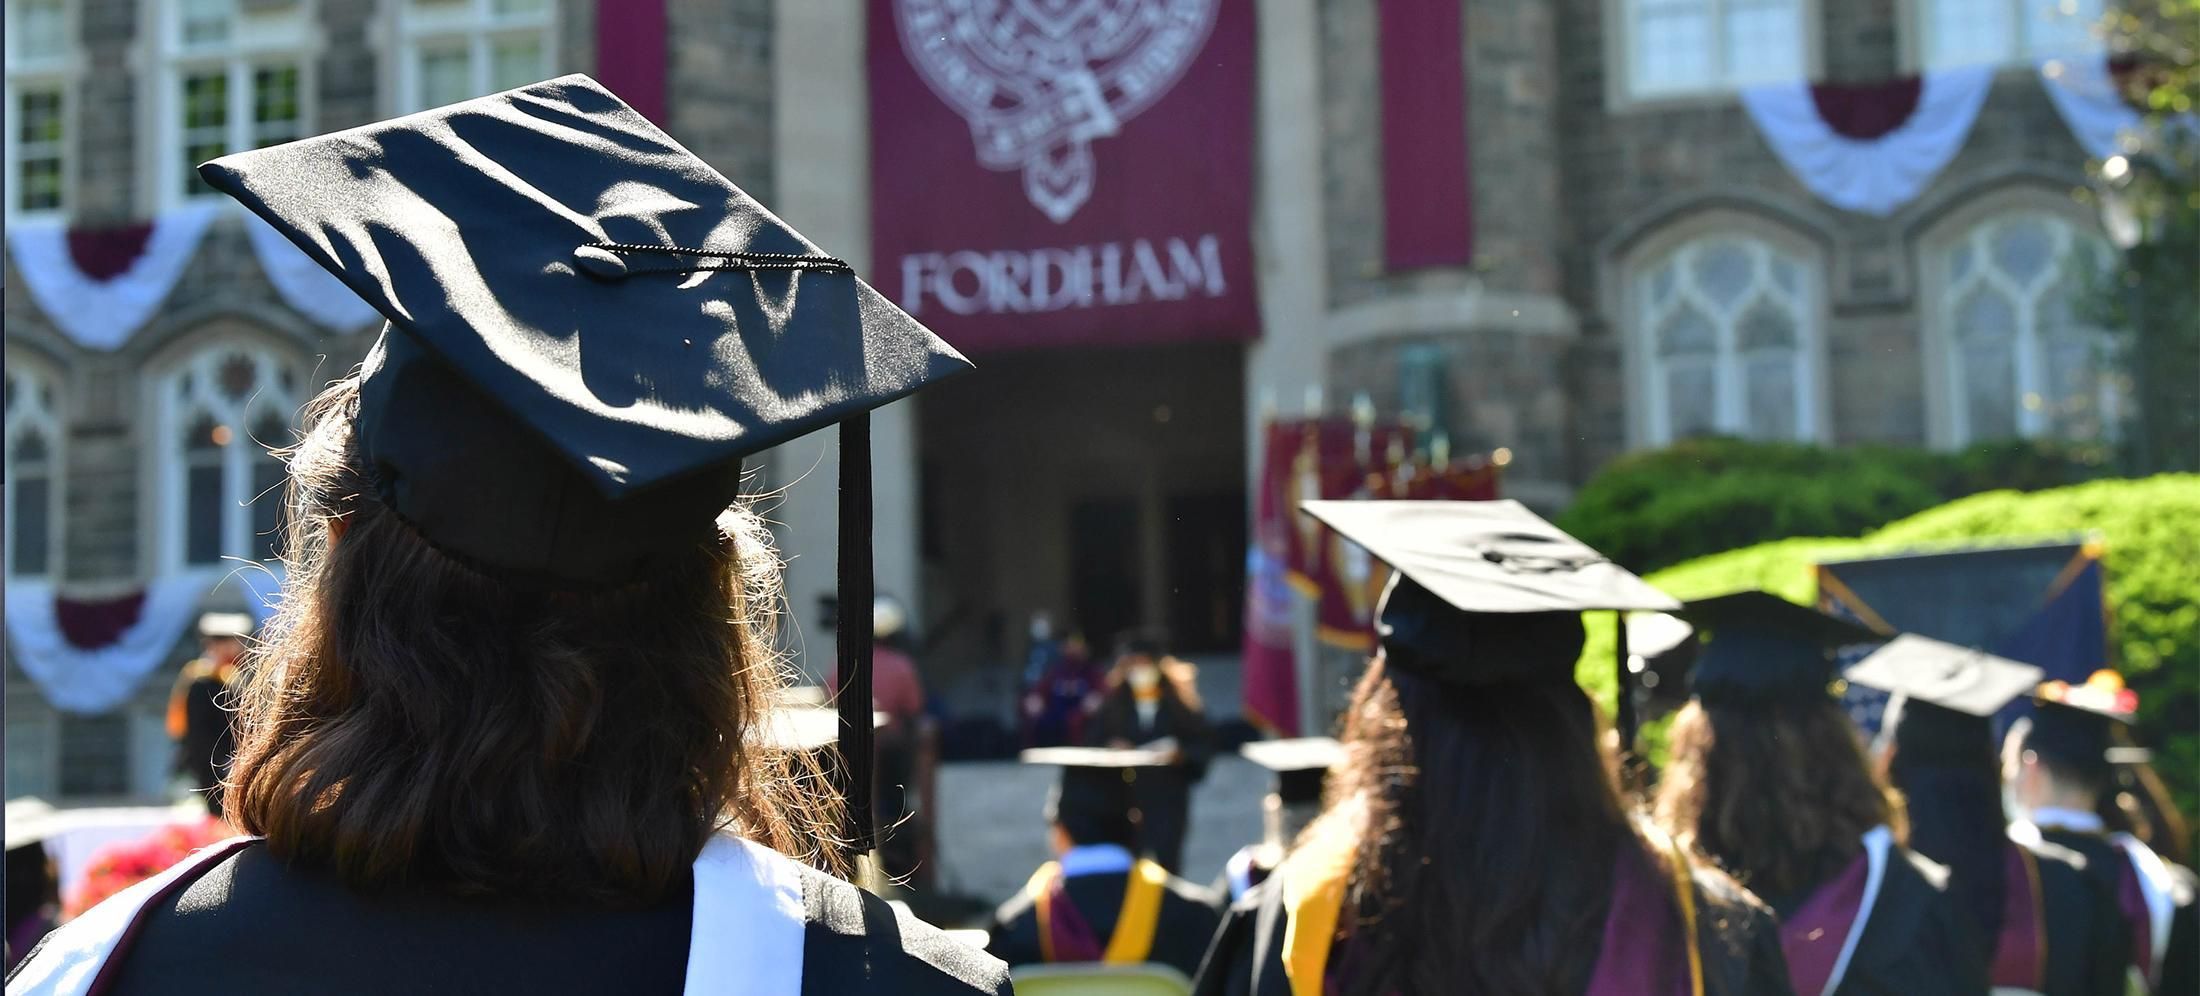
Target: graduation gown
{"type": "Point", "coordinates": [232, 919]}
{"type": "Point", "coordinates": [1884, 923]}
{"type": "Point", "coordinates": [1163, 795]}
{"type": "Point", "coordinates": [2155, 898]}
{"type": "Point", "coordinates": [2059, 934]}
{"type": "Point", "coordinates": [1736, 943]}
{"type": "Point", "coordinates": [1181, 930]}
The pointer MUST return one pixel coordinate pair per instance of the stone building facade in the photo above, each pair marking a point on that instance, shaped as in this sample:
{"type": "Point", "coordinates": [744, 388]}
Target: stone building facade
{"type": "Point", "coordinates": [217, 370]}
{"type": "Point", "coordinates": [1645, 268]}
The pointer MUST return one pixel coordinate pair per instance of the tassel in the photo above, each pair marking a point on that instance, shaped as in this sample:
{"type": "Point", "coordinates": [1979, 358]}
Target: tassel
{"type": "Point", "coordinates": [852, 634]}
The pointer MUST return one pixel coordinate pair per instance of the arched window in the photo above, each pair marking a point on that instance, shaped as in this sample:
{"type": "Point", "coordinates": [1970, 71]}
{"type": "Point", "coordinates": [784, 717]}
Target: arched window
{"type": "Point", "coordinates": [220, 412]}
{"type": "Point", "coordinates": [1725, 328]}
{"type": "Point", "coordinates": [33, 491]}
{"type": "Point", "coordinates": [2018, 358]}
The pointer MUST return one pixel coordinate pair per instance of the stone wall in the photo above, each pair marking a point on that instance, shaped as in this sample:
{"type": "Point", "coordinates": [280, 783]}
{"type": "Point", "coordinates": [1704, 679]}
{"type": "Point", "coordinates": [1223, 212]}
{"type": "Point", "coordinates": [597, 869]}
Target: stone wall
{"type": "Point", "coordinates": [1631, 172]}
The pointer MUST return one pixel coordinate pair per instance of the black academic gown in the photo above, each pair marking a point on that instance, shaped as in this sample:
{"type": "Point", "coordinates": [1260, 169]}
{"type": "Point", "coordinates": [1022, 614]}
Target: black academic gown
{"type": "Point", "coordinates": [1186, 923]}
{"type": "Point", "coordinates": [248, 924]}
{"type": "Point", "coordinates": [1917, 940]}
{"type": "Point", "coordinates": [2086, 943]}
{"type": "Point", "coordinates": [1735, 934]}
{"type": "Point", "coordinates": [1163, 795]}
{"type": "Point", "coordinates": [2105, 864]}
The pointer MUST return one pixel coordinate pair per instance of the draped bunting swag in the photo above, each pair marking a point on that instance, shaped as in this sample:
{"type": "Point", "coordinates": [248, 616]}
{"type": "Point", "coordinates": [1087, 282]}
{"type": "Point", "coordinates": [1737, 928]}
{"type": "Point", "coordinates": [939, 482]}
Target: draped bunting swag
{"type": "Point", "coordinates": [90, 655]}
{"type": "Point", "coordinates": [1870, 148]}
{"type": "Point", "coordinates": [99, 286]}
{"type": "Point", "coordinates": [307, 286]}
{"type": "Point", "coordinates": [2084, 91]}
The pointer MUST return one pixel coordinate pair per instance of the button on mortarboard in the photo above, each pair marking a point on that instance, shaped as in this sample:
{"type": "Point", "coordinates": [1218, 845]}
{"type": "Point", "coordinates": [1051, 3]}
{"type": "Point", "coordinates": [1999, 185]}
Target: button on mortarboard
{"type": "Point", "coordinates": [1762, 646]}
{"type": "Point", "coordinates": [1485, 591]}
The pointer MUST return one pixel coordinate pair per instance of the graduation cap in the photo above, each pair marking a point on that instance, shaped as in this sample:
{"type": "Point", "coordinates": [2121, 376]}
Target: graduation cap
{"type": "Point", "coordinates": [1300, 765]}
{"type": "Point", "coordinates": [30, 821]}
{"type": "Point", "coordinates": [1486, 592]}
{"type": "Point", "coordinates": [1945, 697]}
{"type": "Point", "coordinates": [1094, 797]}
{"type": "Point", "coordinates": [589, 328]}
{"type": "Point", "coordinates": [2080, 724]}
{"type": "Point", "coordinates": [1762, 646]}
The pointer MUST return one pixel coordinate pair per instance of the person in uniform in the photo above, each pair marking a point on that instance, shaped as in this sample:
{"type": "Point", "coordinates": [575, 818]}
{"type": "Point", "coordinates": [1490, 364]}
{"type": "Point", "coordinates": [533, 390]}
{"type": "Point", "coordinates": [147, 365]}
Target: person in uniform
{"type": "Point", "coordinates": [1097, 901]}
{"type": "Point", "coordinates": [1768, 777]}
{"type": "Point", "coordinates": [2047, 928]}
{"type": "Point", "coordinates": [199, 710]}
{"type": "Point", "coordinates": [504, 734]}
{"type": "Point", "coordinates": [1299, 765]}
{"type": "Point", "coordinates": [1152, 702]}
{"type": "Point", "coordinates": [1475, 840]}
{"type": "Point", "coordinates": [2057, 765]}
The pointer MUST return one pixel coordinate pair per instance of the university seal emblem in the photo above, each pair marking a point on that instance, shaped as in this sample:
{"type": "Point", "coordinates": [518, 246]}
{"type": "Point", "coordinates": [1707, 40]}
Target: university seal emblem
{"type": "Point", "coordinates": [1040, 80]}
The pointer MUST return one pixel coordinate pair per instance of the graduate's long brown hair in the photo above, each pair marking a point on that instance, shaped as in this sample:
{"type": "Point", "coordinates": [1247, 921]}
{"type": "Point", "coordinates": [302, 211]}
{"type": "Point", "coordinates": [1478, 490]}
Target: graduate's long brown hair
{"type": "Point", "coordinates": [1778, 793]}
{"type": "Point", "coordinates": [1489, 820]}
{"type": "Point", "coordinates": [412, 721]}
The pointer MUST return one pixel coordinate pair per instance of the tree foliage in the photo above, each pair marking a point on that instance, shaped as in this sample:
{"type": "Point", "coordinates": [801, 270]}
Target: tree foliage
{"type": "Point", "coordinates": [1652, 509]}
{"type": "Point", "coordinates": [2149, 197]}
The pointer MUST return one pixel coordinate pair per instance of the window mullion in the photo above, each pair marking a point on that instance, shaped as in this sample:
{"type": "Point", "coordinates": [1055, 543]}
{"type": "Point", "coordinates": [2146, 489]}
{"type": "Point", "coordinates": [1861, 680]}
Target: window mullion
{"type": "Point", "coordinates": [240, 103]}
{"type": "Point", "coordinates": [2031, 419]}
{"type": "Point", "coordinates": [477, 57]}
{"type": "Point", "coordinates": [1726, 377]}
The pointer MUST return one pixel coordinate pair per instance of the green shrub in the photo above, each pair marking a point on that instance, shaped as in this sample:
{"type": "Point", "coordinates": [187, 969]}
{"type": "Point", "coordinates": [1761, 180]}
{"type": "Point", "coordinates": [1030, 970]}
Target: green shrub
{"type": "Point", "coordinates": [2151, 532]}
{"type": "Point", "coordinates": [1654, 509]}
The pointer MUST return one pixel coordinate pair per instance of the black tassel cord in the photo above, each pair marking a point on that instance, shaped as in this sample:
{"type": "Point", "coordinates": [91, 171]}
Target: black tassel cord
{"type": "Point", "coordinates": [852, 635]}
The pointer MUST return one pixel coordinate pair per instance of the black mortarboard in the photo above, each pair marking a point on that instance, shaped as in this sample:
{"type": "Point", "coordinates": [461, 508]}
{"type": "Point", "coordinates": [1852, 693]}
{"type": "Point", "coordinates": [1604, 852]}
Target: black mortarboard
{"type": "Point", "coordinates": [1094, 798]}
{"type": "Point", "coordinates": [2079, 724]}
{"type": "Point", "coordinates": [31, 821]}
{"type": "Point", "coordinates": [1300, 765]}
{"type": "Point", "coordinates": [1484, 591]}
{"type": "Point", "coordinates": [1945, 697]}
{"type": "Point", "coordinates": [589, 327]}
{"type": "Point", "coordinates": [1762, 646]}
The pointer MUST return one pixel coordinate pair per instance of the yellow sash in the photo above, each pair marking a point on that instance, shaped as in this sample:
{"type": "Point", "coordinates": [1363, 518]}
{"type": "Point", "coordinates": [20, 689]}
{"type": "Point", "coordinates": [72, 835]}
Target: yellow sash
{"type": "Point", "coordinates": [1684, 891]}
{"type": "Point", "coordinates": [1314, 879]}
{"type": "Point", "coordinates": [1135, 923]}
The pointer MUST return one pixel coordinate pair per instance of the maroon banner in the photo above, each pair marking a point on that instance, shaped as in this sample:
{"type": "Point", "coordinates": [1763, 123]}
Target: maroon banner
{"type": "Point", "coordinates": [1064, 172]}
{"type": "Point", "coordinates": [630, 53]}
{"type": "Point", "coordinates": [1428, 216]}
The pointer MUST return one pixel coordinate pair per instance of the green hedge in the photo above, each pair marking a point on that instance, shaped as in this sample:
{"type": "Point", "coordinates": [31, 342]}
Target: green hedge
{"type": "Point", "coordinates": [2151, 529]}
{"type": "Point", "coordinates": [1659, 508]}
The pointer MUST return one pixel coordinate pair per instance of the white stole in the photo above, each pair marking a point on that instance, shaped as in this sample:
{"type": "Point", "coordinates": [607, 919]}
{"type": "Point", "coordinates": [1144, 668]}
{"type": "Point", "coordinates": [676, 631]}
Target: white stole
{"type": "Point", "coordinates": [747, 935]}
{"type": "Point", "coordinates": [1878, 842]}
{"type": "Point", "coordinates": [2154, 885]}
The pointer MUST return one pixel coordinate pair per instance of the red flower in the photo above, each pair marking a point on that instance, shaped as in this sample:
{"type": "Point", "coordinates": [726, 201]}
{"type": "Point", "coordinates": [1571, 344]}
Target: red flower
{"type": "Point", "coordinates": [121, 865]}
